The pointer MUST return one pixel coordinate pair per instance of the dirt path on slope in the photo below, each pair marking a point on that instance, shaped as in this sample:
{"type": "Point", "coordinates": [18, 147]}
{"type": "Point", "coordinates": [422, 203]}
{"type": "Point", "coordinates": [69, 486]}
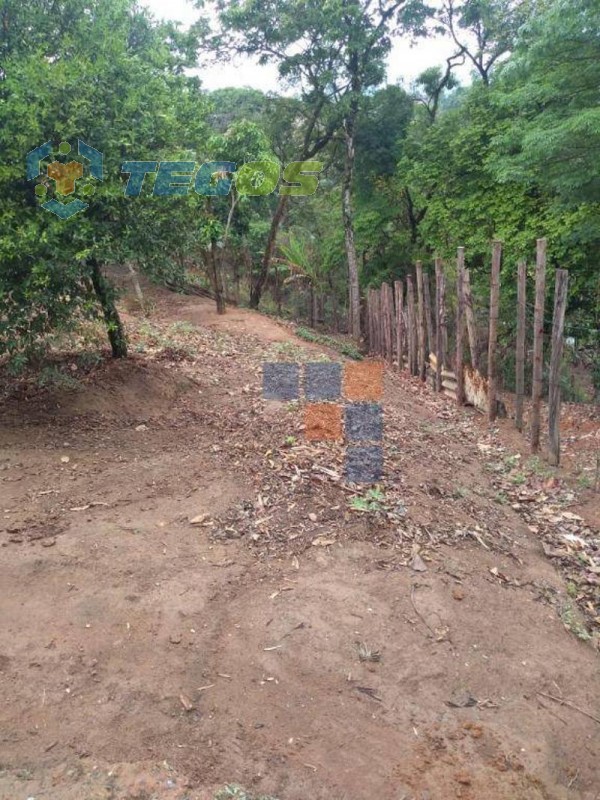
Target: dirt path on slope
{"type": "Point", "coordinates": [142, 656]}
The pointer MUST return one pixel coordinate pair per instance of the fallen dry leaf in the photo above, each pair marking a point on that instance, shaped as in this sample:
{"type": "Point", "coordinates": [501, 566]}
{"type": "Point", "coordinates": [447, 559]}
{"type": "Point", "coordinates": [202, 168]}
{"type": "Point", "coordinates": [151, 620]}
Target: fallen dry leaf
{"type": "Point", "coordinates": [323, 541]}
{"type": "Point", "coordinates": [199, 519]}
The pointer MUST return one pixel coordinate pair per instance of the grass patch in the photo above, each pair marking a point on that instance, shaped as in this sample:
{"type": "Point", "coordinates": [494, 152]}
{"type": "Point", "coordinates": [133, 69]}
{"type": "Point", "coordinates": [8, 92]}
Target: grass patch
{"type": "Point", "coordinates": [54, 379]}
{"type": "Point", "coordinates": [372, 502]}
{"type": "Point", "coordinates": [571, 621]}
{"type": "Point", "coordinates": [345, 348]}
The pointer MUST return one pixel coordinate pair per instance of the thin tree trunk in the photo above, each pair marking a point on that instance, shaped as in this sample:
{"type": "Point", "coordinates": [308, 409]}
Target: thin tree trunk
{"type": "Point", "coordinates": [236, 279]}
{"type": "Point", "coordinates": [257, 285]}
{"type": "Point", "coordinates": [136, 285]}
{"type": "Point", "coordinates": [334, 307]}
{"type": "Point", "coordinates": [215, 272]}
{"type": "Point", "coordinates": [313, 306]}
{"type": "Point", "coordinates": [348, 220]}
{"type": "Point", "coordinates": [114, 326]}
{"type": "Point", "coordinates": [216, 278]}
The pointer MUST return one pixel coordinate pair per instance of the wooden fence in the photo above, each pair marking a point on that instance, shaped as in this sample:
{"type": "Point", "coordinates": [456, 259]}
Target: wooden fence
{"type": "Point", "coordinates": [408, 330]}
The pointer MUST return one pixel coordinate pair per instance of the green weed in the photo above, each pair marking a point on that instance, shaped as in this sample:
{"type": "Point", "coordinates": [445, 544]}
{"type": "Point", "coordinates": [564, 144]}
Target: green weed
{"type": "Point", "coordinates": [570, 620]}
{"type": "Point", "coordinates": [371, 502]}
{"type": "Point", "coordinates": [53, 378]}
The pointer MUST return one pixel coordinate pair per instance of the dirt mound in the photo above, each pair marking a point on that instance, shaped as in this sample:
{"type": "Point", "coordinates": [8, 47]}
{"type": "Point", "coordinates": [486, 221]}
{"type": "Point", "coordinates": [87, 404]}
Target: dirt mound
{"type": "Point", "coordinates": [134, 389]}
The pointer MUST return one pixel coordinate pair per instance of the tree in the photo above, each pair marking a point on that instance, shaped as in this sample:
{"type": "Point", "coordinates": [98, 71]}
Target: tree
{"type": "Point", "coordinates": [484, 31]}
{"type": "Point", "coordinates": [102, 71]}
{"type": "Point", "coordinates": [549, 93]}
{"type": "Point", "coordinates": [332, 53]}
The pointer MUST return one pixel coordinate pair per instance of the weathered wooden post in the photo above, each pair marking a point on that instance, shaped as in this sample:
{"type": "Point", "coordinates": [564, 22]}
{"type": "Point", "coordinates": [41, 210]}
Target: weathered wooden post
{"type": "Point", "coordinates": [399, 293]}
{"type": "Point", "coordinates": [376, 321]}
{"type": "Point", "coordinates": [471, 323]}
{"type": "Point", "coordinates": [538, 343]}
{"type": "Point", "coordinates": [369, 321]}
{"type": "Point", "coordinates": [440, 328]}
{"type": "Point", "coordinates": [388, 320]}
{"type": "Point", "coordinates": [558, 326]}
{"type": "Point", "coordinates": [493, 339]}
{"type": "Point", "coordinates": [428, 317]}
{"type": "Point", "coordinates": [460, 321]}
{"type": "Point", "coordinates": [520, 354]}
{"type": "Point", "coordinates": [421, 329]}
{"type": "Point", "coordinates": [412, 325]}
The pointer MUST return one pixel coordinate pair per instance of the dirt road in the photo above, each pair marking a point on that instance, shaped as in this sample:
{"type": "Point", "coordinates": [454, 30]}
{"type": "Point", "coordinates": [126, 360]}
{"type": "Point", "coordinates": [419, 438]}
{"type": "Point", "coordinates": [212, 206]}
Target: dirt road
{"type": "Point", "coordinates": [285, 641]}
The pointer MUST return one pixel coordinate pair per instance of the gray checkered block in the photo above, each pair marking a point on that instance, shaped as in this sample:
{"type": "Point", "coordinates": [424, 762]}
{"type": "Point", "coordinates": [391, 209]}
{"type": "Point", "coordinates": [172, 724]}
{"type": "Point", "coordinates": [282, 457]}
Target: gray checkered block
{"type": "Point", "coordinates": [364, 422]}
{"type": "Point", "coordinates": [323, 381]}
{"type": "Point", "coordinates": [364, 464]}
{"type": "Point", "coordinates": [281, 381]}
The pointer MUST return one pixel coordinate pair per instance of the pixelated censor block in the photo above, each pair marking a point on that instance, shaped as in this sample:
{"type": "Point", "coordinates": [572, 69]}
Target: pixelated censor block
{"type": "Point", "coordinates": [323, 381]}
{"type": "Point", "coordinates": [281, 381]}
{"type": "Point", "coordinates": [364, 422]}
{"type": "Point", "coordinates": [363, 380]}
{"type": "Point", "coordinates": [323, 422]}
{"type": "Point", "coordinates": [364, 464]}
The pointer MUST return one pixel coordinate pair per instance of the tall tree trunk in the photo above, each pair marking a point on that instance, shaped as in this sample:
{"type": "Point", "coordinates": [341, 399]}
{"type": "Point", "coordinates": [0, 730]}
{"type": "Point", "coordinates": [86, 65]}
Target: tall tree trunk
{"type": "Point", "coordinates": [114, 326]}
{"type": "Point", "coordinates": [216, 277]}
{"type": "Point", "coordinates": [136, 285]}
{"type": "Point", "coordinates": [257, 285]}
{"type": "Point", "coordinates": [215, 271]}
{"type": "Point", "coordinates": [334, 305]}
{"type": "Point", "coordinates": [348, 219]}
{"type": "Point", "coordinates": [236, 278]}
{"type": "Point", "coordinates": [277, 291]}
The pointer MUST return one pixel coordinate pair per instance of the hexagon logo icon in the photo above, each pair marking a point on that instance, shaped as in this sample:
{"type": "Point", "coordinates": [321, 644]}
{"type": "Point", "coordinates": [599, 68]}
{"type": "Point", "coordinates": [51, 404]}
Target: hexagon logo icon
{"type": "Point", "coordinates": [64, 172]}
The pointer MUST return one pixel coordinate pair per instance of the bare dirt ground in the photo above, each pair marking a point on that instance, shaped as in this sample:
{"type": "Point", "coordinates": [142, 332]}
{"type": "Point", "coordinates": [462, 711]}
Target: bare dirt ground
{"type": "Point", "coordinates": [285, 641]}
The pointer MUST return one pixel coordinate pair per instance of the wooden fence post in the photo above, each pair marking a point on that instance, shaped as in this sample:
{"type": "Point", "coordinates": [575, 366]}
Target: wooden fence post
{"type": "Point", "coordinates": [412, 323]}
{"type": "Point", "coordinates": [375, 321]}
{"type": "Point", "coordinates": [558, 326]}
{"type": "Point", "coordinates": [471, 323]}
{"type": "Point", "coordinates": [421, 321]}
{"type": "Point", "coordinates": [440, 328]}
{"type": "Point", "coordinates": [538, 343]}
{"type": "Point", "coordinates": [493, 339]}
{"type": "Point", "coordinates": [370, 317]}
{"type": "Point", "coordinates": [388, 316]}
{"type": "Point", "coordinates": [460, 321]}
{"type": "Point", "coordinates": [399, 293]}
{"type": "Point", "coordinates": [392, 320]}
{"type": "Point", "coordinates": [428, 317]}
{"type": "Point", "coordinates": [520, 355]}
{"type": "Point", "coordinates": [382, 331]}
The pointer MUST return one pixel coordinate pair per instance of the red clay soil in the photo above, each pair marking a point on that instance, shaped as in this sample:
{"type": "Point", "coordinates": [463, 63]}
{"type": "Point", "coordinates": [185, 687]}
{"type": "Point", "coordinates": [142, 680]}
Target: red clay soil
{"type": "Point", "coordinates": [284, 640]}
